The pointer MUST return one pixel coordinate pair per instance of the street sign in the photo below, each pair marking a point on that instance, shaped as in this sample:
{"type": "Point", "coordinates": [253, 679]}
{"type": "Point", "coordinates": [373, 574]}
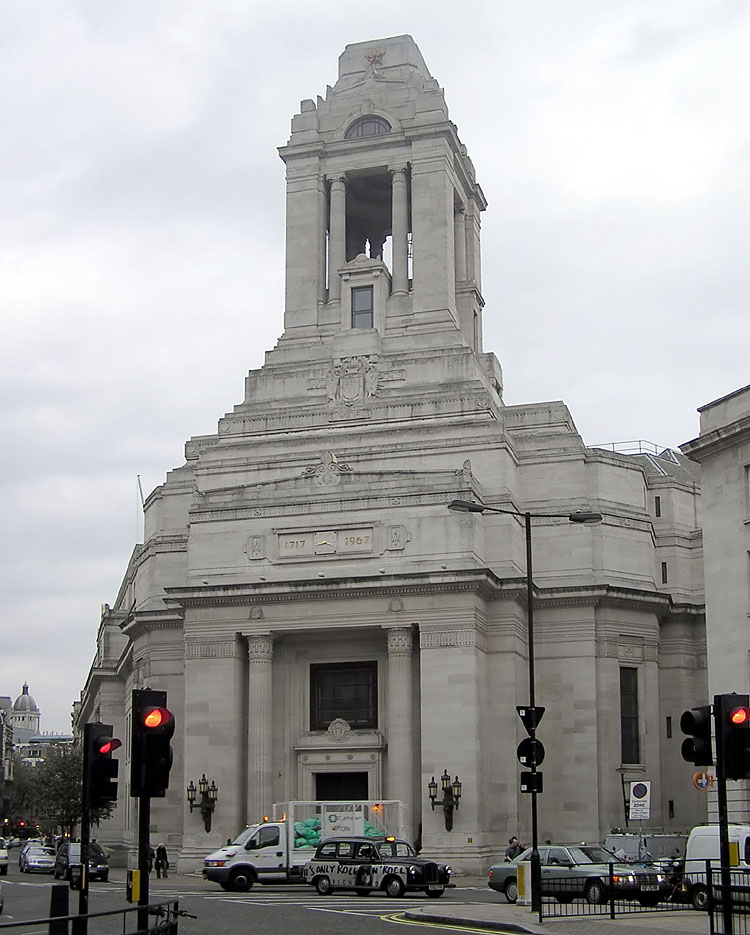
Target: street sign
{"type": "Point", "coordinates": [530, 716]}
{"type": "Point", "coordinates": [640, 800]}
{"type": "Point", "coordinates": [530, 752]}
{"type": "Point", "coordinates": [702, 781]}
{"type": "Point", "coordinates": [532, 782]}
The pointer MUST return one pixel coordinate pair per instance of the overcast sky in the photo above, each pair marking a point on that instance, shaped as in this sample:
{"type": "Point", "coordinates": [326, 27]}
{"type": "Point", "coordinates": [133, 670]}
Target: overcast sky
{"type": "Point", "coordinates": [142, 221]}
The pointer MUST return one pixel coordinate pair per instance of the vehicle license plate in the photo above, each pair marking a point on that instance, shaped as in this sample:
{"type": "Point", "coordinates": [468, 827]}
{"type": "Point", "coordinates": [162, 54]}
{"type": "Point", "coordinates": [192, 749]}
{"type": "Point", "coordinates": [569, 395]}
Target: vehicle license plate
{"type": "Point", "coordinates": [649, 888]}
{"type": "Point", "coordinates": [434, 886]}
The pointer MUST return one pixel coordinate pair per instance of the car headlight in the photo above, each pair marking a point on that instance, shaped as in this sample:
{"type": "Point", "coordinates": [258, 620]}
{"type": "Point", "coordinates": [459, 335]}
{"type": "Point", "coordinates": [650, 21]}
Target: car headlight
{"type": "Point", "coordinates": [448, 869]}
{"type": "Point", "coordinates": [214, 863]}
{"type": "Point", "coordinates": [623, 878]}
{"type": "Point", "coordinates": [412, 871]}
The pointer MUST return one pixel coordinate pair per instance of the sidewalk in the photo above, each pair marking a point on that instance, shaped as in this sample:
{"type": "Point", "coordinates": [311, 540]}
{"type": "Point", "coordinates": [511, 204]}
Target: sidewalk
{"type": "Point", "coordinates": [502, 916]}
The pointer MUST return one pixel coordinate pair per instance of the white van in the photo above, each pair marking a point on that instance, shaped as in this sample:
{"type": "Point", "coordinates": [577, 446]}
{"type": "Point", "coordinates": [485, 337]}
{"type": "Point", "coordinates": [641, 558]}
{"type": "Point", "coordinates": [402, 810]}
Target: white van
{"type": "Point", "coordinates": [703, 844]}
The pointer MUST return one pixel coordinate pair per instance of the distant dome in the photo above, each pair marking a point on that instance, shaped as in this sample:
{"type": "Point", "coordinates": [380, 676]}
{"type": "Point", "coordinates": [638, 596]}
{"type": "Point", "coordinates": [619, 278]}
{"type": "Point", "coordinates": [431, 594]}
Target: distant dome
{"type": "Point", "coordinates": [25, 703]}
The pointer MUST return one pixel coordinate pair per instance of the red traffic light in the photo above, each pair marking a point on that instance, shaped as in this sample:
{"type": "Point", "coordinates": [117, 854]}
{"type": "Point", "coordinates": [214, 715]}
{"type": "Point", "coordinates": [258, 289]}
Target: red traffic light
{"type": "Point", "coordinates": [740, 717]}
{"type": "Point", "coordinates": [156, 717]}
{"type": "Point", "coordinates": [109, 746]}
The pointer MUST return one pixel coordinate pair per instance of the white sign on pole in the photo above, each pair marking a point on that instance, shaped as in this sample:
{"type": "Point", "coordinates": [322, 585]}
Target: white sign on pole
{"type": "Point", "coordinates": [640, 800]}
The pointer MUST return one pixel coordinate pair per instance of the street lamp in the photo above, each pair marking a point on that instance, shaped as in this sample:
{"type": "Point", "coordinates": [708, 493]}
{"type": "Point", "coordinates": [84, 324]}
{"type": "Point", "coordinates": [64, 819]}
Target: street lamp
{"type": "Point", "coordinates": [208, 797]}
{"type": "Point", "coordinates": [579, 516]}
{"type": "Point", "coordinates": [451, 796]}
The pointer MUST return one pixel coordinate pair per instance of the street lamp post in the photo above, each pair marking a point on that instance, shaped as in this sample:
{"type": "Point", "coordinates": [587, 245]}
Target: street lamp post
{"type": "Point", "coordinates": [579, 516]}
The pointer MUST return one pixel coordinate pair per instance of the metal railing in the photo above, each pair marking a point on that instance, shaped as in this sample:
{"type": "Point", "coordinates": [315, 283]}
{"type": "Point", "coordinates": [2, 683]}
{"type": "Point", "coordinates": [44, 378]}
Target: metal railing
{"type": "Point", "coordinates": [584, 890]}
{"type": "Point", "coordinates": [162, 919]}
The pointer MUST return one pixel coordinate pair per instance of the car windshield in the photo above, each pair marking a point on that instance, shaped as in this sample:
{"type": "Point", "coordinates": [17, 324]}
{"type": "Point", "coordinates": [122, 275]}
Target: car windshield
{"type": "Point", "coordinates": [395, 849]}
{"type": "Point", "coordinates": [38, 849]}
{"type": "Point", "coordinates": [590, 855]}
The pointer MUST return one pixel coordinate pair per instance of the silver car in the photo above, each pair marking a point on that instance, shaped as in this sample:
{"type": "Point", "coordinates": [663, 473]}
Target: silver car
{"type": "Point", "coordinates": [582, 870]}
{"type": "Point", "coordinates": [37, 859]}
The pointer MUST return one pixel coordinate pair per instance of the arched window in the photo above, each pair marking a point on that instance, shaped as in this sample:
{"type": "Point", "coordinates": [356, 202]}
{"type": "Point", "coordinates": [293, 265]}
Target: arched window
{"type": "Point", "coordinates": [370, 125]}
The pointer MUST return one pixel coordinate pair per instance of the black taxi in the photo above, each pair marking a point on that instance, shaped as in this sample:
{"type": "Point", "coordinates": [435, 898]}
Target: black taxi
{"type": "Point", "coordinates": [365, 864]}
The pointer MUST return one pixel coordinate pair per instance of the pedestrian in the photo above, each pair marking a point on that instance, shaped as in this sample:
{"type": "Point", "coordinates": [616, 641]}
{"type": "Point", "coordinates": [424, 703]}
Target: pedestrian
{"type": "Point", "coordinates": [161, 863]}
{"type": "Point", "coordinates": [513, 849]}
{"type": "Point", "coordinates": [151, 856]}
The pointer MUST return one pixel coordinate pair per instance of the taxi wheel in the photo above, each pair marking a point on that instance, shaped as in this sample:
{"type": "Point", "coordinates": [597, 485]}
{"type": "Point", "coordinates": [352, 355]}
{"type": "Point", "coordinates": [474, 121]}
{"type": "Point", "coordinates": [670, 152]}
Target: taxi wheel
{"type": "Point", "coordinates": [323, 886]}
{"type": "Point", "coordinates": [394, 886]}
{"type": "Point", "coordinates": [362, 891]}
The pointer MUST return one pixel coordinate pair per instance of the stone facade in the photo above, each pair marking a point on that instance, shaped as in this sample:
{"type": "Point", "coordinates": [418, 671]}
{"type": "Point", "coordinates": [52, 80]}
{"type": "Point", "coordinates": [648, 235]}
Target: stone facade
{"type": "Point", "coordinates": [311, 531]}
{"type": "Point", "coordinates": [723, 451]}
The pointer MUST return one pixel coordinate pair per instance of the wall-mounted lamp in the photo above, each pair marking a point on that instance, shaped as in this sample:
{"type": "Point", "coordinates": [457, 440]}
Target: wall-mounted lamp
{"type": "Point", "coordinates": [208, 796]}
{"type": "Point", "coordinates": [451, 795]}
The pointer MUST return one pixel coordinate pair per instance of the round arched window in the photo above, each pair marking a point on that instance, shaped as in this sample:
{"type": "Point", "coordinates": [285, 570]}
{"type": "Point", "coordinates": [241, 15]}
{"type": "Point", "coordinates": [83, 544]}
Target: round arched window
{"type": "Point", "coordinates": [370, 125]}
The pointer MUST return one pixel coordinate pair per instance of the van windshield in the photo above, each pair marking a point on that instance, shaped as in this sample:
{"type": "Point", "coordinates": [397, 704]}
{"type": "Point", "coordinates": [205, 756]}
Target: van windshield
{"type": "Point", "coordinates": [245, 835]}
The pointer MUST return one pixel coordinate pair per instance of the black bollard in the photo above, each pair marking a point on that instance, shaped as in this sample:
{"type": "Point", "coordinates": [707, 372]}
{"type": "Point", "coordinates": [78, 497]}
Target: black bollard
{"type": "Point", "coordinates": [58, 906]}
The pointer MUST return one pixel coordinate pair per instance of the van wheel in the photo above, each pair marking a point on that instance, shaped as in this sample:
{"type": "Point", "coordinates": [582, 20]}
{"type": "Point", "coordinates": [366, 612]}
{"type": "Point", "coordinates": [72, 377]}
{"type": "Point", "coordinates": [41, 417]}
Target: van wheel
{"type": "Point", "coordinates": [394, 886]}
{"type": "Point", "coordinates": [240, 880]}
{"type": "Point", "coordinates": [323, 886]}
{"type": "Point", "coordinates": [699, 898]}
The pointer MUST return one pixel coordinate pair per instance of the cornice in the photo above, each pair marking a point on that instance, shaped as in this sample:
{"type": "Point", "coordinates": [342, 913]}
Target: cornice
{"type": "Point", "coordinates": [721, 439]}
{"type": "Point", "coordinates": [139, 623]}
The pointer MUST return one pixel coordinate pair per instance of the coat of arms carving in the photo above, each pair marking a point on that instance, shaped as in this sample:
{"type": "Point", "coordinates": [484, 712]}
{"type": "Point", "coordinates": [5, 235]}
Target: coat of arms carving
{"type": "Point", "coordinates": [353, 380]}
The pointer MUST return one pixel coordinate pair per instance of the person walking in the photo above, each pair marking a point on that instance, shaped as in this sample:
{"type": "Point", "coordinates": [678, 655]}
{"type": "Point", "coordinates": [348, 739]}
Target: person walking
{"type": "Point", "coordinates": [513, 849]}
{"type": "Point", "coordinates": [161, 863]}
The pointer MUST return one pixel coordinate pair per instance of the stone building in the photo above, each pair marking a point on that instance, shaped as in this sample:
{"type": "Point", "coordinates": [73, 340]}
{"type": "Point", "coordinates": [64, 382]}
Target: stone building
{"type": "Point", "coordinates": [323, 625]}
{"type": "Point", "coordinates": [723, 451]}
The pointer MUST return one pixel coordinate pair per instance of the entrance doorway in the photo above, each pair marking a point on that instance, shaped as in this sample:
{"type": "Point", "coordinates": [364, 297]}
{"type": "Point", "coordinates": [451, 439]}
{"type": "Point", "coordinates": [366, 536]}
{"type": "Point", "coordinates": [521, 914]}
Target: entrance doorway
{"type": "Point", "coordinates": [335, 787]}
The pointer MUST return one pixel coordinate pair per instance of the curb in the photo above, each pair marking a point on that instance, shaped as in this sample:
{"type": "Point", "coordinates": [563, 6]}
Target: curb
{"type": "Point", "coordinates": [490, 926]}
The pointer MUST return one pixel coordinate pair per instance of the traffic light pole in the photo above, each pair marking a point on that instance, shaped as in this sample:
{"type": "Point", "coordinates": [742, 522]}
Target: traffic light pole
{"type": "Point", "coordinates": [721, 796]}
{"type": "Point", "coordinates": [536, 865]}
{"type": "Point", "coordinates": [144, 824]}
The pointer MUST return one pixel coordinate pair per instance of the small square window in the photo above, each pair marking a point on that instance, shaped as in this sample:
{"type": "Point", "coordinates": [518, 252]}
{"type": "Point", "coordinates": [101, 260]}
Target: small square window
{"type": "Point", "coordinates": [362, 307]}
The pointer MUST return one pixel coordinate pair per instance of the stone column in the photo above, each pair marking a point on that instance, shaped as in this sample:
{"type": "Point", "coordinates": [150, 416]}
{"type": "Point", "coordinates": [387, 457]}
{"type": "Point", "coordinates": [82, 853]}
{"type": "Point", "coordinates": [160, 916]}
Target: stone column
{"type": "Point", "coordinates": [459, 237]}
{"type": "Point", "coordinates": [259, 732]}
{"type": "Point", "coordinates": [336, 238]}
{"type": "Point", "coordinates": [400, 225]}
{"type": "Point", "coordinates": [322, 227]}
{"type": "Point", "coordinates": [399, 721]}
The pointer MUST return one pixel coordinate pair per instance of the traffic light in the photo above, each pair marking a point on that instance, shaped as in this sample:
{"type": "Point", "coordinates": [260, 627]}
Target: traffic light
{"type": "Point", "coordinates": [151, 754]}
{"type": "Point", "coordinates": [696, 748]}
{"type": "Point", "coordinates": [99, 769]}
{"type": "Point", "coordinates": [734, 722]}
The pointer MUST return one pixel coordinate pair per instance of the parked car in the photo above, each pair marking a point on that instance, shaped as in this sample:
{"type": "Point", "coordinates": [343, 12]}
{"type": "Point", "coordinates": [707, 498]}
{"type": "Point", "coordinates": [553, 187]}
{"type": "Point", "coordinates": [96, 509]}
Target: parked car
{"type": "Point", "coordinates": [3, 857]}
{"type": "Point", "coordinates": [69, 855]}
{"type": "Point", "coordinates": [582, 870]}
{"type": "Point", "coordinates": [364, 864]}
{"type": "Point", "coordinates": [37, 859]}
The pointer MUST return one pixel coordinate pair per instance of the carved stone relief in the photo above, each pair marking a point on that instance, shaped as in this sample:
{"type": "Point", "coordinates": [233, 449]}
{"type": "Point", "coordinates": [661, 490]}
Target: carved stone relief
{"type": "Point", "coordinates": [353, 380]}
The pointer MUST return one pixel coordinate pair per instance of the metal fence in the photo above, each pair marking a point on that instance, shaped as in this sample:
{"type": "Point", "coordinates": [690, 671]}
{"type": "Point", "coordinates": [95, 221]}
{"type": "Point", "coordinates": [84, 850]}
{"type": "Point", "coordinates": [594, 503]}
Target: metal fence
{"type": "Point", "coordinates": [154, 919]}
{"type": "Point", "coordinates": [580, 890]}
{"type": "Point", "coordinates": [728, 904]}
